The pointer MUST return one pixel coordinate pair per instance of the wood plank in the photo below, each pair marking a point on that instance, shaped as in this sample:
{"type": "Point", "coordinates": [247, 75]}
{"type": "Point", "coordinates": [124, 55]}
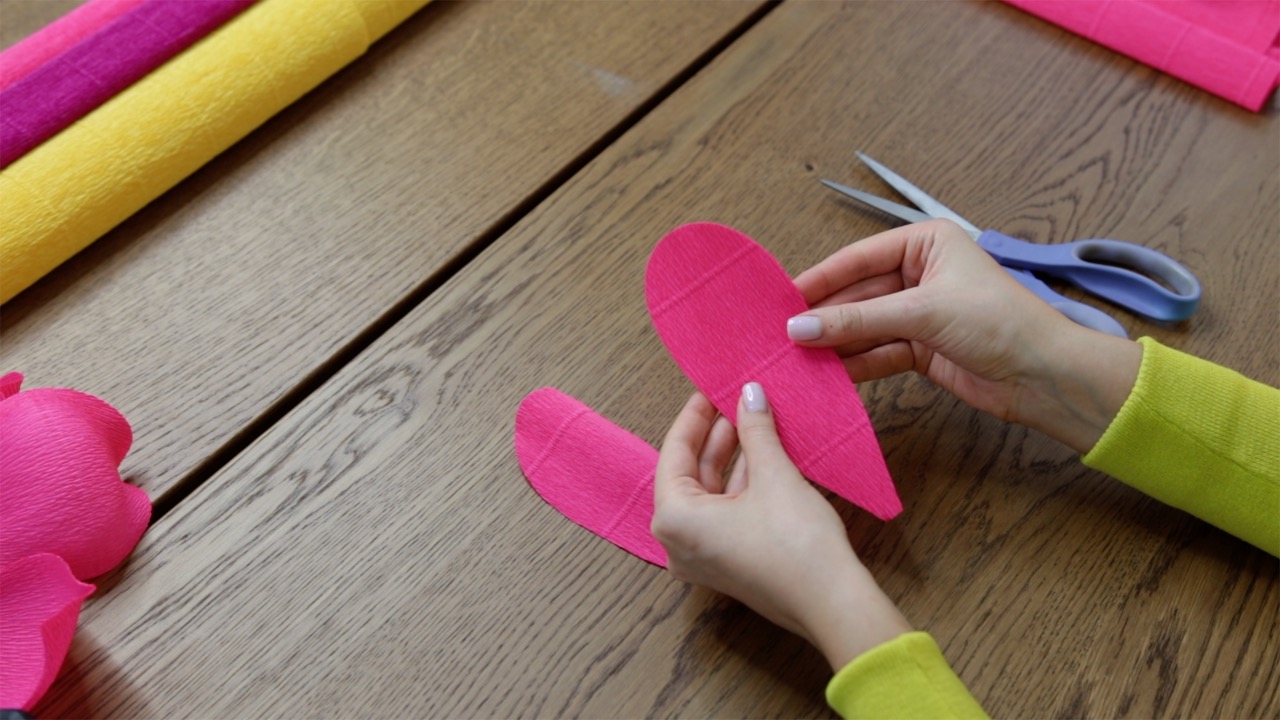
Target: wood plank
{"type": "Point", "coordinates": [20, 18]}
{"type": "Point", "coordinates": [378, 553]}
{"type": "Point", "coordinates": [201, 312]}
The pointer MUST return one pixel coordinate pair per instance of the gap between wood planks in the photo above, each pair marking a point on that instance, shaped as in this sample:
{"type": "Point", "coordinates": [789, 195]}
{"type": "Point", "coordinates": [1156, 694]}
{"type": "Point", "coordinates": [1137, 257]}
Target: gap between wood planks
{"type": "Point", "coordinates": [255, 428]}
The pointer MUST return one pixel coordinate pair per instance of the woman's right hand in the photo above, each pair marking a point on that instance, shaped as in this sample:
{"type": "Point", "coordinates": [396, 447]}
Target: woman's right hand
{"type": "Point", "coordinates": [926, 297]}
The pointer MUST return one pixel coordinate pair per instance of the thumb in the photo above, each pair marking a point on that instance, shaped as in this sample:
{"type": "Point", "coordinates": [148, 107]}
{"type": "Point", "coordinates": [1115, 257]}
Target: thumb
{"type": "Point", "coordinates": [757, 433]}
{"type": "Point", "coordinates": [901, 315]}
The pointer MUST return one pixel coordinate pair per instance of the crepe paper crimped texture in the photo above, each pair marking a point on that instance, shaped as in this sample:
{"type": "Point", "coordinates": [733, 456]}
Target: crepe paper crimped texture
{"type": "Point", "coordinates": [594, 472]}
{"type": "Point", "coordinates": [720, 303]}
{"type": "Point", "coordinates": [1224, 46]}
{"type": "Point", "coordinates": [53, 39]}
{"type": "Point", "coordinates": [85, 180]}
{"type": "Point", "coordinates": [906, 677]}
{"type": "Point", "coordinates": [1202, 438]}
{"type": "Point", "coordinates": [60, 489]}
{"type": "Point", "coordinates": [39, 604]}
{"type": "Point", "coordinates": [67, 87]}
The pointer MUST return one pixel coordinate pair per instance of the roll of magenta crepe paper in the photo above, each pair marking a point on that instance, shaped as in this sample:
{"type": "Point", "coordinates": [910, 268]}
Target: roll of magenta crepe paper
{"type": "Point", "coordinates": [50, 41]}
{"type": "Point", "coordinates": [93, 71]}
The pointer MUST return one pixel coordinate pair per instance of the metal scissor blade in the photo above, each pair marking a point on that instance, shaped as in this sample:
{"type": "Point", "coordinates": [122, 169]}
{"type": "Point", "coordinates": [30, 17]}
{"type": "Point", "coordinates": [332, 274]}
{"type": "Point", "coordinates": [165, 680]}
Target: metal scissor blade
{"type": "Point", "coordinates": [921, 198]}
{"type": "Point", "coordinates": [901, 211]}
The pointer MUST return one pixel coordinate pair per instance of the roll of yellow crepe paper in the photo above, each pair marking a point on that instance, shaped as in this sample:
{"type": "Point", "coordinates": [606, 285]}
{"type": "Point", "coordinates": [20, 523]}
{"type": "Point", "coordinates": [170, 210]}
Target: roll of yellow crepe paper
{"type": "Point", "coordinates": [69, 191]}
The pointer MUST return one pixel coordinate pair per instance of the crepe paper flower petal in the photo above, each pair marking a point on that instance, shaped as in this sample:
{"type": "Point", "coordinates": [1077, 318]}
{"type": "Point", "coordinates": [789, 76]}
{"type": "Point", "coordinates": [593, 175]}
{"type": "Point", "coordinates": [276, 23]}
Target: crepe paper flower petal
{"type": "Point", "coordinates": [10, 384]}
{"type": "Point", "coordinates": [61, 491]}
{"type": "Point", "coordinates": [720, 302]}
{"type": "Point", "coordinates": [39, 604]}
{"type": "Point", "coordinates": [594, 472]}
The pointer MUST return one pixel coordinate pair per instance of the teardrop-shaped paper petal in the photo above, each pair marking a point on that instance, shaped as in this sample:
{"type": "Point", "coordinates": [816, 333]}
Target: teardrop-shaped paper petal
{"type": "Point", "coordinates": [599, 475]}
{"type": "Point", "coordinates": [720, 303]}
{"type": "Point", "coordinates": [39, 605]}
{"type": "Point", "coordinates": [61, 491]}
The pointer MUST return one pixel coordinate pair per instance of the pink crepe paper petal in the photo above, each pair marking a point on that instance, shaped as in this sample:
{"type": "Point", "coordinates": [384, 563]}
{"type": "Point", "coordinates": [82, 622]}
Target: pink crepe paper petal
{"type": "Point", "coordinates": [53, 39]}
{"type": "Point", "coordinates": [10, 384]}
{"type": "Point", "coordinates": [39, 604]}
{"type": "Point", "coordinates": [720, 303]}
{"type": "Point", "coordinates": [594, 472]}
{"type": "Point", "coordinates": [60, 491]}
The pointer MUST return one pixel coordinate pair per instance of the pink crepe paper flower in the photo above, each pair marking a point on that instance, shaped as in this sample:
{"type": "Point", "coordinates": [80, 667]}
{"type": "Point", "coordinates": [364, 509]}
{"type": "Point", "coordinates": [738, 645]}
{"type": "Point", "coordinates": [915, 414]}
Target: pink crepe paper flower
{"type": "Point", "coordinates": [39, 605]}
{"type": "Point", "coordinates": [60, 487]}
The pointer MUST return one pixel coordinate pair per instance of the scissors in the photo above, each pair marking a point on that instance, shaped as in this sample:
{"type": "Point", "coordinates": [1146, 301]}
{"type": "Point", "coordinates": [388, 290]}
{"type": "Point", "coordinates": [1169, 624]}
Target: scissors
{"type": "Point", "coordinates": [1100, 267]}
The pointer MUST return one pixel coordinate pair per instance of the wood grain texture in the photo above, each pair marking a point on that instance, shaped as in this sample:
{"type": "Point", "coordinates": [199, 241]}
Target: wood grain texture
{"type": "Point", "coordinates": [377, 552]}
{"type": "Point", "coordinates": [20, 18]}
{"type": "Point", "coordinates": [203, 310]}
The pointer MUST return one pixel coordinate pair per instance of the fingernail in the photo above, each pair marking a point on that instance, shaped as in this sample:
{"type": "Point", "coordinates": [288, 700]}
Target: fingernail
{"type": "Point", "coordinates": [753, 397]}
{"type": "Point", "coordinates": [804, 327]}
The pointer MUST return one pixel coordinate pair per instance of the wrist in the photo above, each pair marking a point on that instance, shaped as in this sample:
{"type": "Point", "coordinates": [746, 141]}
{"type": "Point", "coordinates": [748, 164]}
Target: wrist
{"type": "Point", "coordinates": [851, 616]}
{"type": "Point", "coordinates": [1085, 378]}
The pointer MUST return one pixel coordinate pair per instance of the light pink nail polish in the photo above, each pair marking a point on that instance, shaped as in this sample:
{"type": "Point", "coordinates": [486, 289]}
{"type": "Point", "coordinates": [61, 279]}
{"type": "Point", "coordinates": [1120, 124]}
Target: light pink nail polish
{"type": "Point", "coordinates": [804, 327]}
{"type": "Point", "coordinates": [753, 397]}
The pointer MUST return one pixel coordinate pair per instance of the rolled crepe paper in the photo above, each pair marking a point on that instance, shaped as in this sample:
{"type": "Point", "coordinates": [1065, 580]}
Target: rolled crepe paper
{"type": "Point", "coordinates": [58, 36]}
{"type": "Point", "coordinates": [720, 303]}
{"type": "Point", "coordinates": [39, 604]}
{"type": "Point", "coordinates": [67, 87]}
{"type": "Point", "coordinates": [85, 180]}
{"type": "Point", "coordinates": [594, 472]}
{"type": "Point", "coordinates": [1223, 47]}
{"type": "Point", "coordinates": [1252, 23]}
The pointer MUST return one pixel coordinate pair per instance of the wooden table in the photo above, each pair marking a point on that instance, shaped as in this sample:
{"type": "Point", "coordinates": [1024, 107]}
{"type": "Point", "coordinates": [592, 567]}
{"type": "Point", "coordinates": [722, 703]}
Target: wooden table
{"type": "Point", "coordinates": [321, 338]}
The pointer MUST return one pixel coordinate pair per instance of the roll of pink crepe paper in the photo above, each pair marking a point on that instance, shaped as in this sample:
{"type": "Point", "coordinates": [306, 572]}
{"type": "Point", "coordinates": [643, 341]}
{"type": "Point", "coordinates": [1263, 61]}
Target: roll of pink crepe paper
{"type": "Point", "coordinates": [53, 39]}
{"type": "Point", "coordinates": [1225, 47]}
{"type": "Point", "coordinates": [1252, 23]}
{"type": "Point", "coordinates": [76, 82]}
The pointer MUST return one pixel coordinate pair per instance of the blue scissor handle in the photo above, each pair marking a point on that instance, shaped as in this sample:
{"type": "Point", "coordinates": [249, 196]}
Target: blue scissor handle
{"type": "Point", "coordinates": [1081, 314]}
{"type": "Point", "coordinates": [1102, 267]}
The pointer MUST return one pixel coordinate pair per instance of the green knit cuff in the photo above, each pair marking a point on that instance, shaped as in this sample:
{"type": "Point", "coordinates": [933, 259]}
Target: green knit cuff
{"type": "Point", "coordinates": [906, 677]}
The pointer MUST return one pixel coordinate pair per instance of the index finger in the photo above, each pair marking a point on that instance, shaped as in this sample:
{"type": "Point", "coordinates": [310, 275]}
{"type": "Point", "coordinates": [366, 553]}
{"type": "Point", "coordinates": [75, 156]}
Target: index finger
{"type": "Point", "coordinates": [677, 469]}
{"type": "Point", "coordinates": [879, 254]}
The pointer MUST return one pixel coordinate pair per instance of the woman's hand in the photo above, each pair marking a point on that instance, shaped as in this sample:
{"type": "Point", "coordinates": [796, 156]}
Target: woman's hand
{"type": "Point", "coordinates": [926, 297]}
{"type": "Point", "coordinates": [765, 536]}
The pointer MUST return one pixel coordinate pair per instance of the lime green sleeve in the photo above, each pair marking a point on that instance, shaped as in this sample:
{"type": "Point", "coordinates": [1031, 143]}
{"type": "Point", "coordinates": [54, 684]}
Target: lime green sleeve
{"type": "Point", "coordinates": [1201, 438]}
{"type": "Point", "coordinates": [906, 677]}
